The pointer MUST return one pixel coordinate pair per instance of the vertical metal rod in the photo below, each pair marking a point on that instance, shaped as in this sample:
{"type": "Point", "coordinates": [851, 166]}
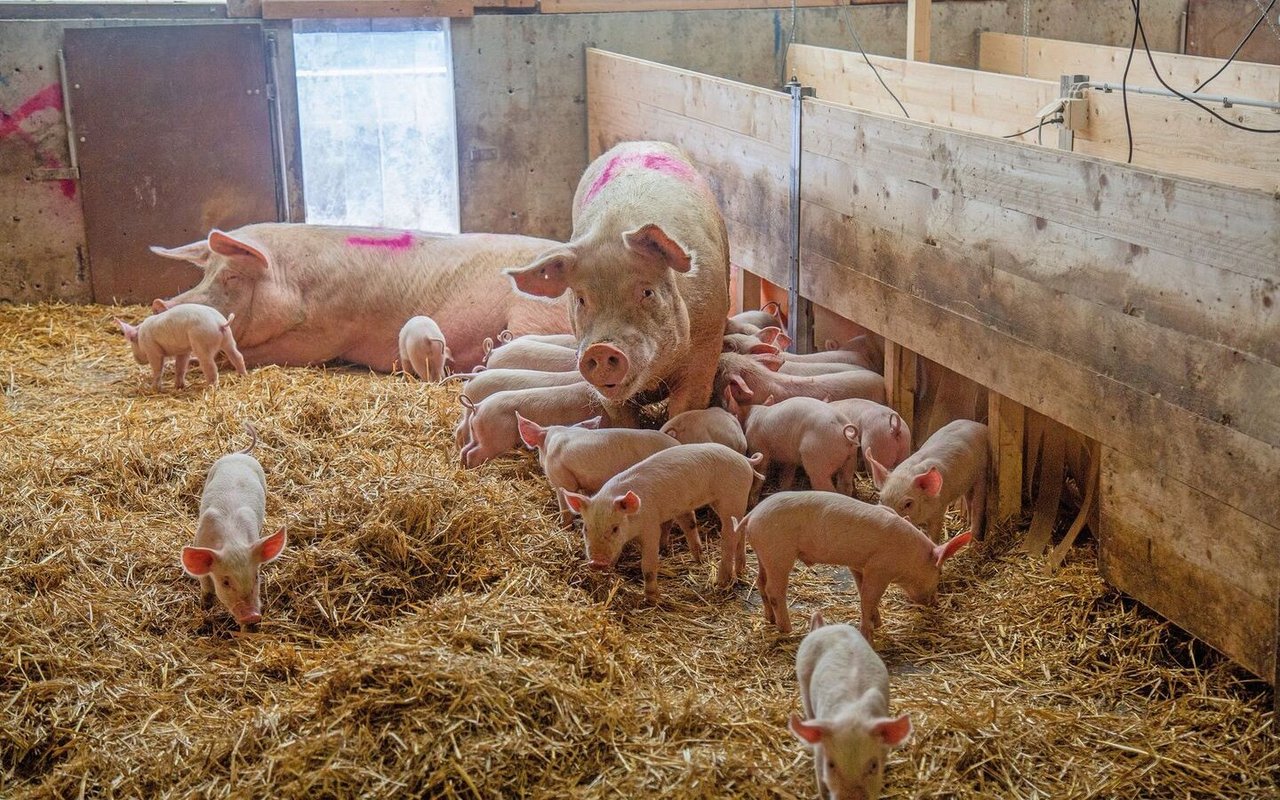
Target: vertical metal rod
{"type": "Point", "coordinates": [800, 310]}
{"type": "Point", "coordinates": [1069, 87]}
{"type": "Point", "coordinates": [66, 113]}
{"type": "Point", "coordinates": [283, 208]}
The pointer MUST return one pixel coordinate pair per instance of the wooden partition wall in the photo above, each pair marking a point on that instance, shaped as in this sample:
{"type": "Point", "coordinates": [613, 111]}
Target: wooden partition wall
{"type": "Point", "coordinates": [1134, 306]}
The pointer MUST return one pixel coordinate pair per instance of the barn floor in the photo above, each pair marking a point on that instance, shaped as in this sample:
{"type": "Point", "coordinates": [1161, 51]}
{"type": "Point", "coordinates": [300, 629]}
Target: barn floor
{"type": "Point", "coordinates": [429, 631]}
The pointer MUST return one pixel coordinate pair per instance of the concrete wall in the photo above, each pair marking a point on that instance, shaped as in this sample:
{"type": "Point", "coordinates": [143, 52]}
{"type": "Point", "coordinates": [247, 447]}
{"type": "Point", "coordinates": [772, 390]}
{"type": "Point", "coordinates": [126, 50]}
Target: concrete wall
{"type": "Point", "coordinates": [520, 103]}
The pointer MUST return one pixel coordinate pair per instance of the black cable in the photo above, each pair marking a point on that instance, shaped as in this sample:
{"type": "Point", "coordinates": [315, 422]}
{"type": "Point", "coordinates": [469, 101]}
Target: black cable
{"type": "Point", "coordinates": [1036, 128]}
{"type": "Point", "coordinates": [1124, 84]}
{"type": "Point", "coordinates": [1236, 52]}
{"type": "Point", "coordinates": [858, 42]}
{"type": "Point", "coordinates": [1138, 17]}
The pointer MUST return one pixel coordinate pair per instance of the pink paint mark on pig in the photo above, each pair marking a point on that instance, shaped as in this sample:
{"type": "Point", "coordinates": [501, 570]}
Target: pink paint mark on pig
{"type": "Point", "coordinates": [402, 242]}
{"type": "Point", "coordinates": [658, 162]}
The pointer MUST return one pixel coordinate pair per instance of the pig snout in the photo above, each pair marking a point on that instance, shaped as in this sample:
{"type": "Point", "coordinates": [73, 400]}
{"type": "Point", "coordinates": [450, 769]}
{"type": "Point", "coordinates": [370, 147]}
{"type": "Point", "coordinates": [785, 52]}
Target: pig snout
{"type": "Point", "coordinates": [247, 615]}
{"type": "Point", "coordinates": [599, 565]}
{"type": "Point", "coordinates": [604, 366]}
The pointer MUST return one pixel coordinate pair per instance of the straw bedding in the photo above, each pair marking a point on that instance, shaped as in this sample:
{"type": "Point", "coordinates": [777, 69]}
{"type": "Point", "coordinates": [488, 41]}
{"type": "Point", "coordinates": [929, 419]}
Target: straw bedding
{"type": "Point", "coordinates": [430, 631]}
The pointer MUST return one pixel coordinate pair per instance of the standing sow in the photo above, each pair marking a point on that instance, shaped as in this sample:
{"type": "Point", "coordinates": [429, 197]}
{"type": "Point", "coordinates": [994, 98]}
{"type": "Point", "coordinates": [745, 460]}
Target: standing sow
{"type": "Point", "coordinates": [228, 551]}
{"type": "Point", "coordinates": [647, 272]}
{"type": "Point", "coordinates": [844, 690]}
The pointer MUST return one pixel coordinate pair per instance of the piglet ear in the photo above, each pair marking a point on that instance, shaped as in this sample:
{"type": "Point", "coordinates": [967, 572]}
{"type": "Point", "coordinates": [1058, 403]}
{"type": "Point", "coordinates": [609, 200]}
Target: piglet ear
{"type": "Point", "coordinates": [775, 336]}
{"type": "Point", "coordinates": [893, 732]}
{"type": "Point", "coordinates": [651, 241]}
{"type": "Point", "coordinates": [198, 561]}
{"type": "Point", "coordinates": [576, 502]}
{"type": "Point", "coordinates": [242, 255]}
{"type": "Point", "coordinates": [159, 306]}
{"type": "Point", "coordinates": [816, 621]}
{"type": "Point", "coordinates": [879, 474]}
{"type": "Point", "coordinates": [773, 362]}
{"type": "Point", "coordinates": [269, 548]}
{"type": "Point", "coordinates": [546, 277]}
{"type": "Point", "coordinates": [763, 349]}
{"type": "Point", "coordinates": [130, 331]}
{"type": "Point", "coordinates": [531, 433]}
{"type": "Point", "coordinates": [592, 424]}
{"type": "Point", "coordinates": [628, 504]}
{"type": "Point", "coordinates": [807, 731]}
{"type": "Point", "coordinates": [944, 551]}
{"type": "Point", "coordinates": [930, 482]}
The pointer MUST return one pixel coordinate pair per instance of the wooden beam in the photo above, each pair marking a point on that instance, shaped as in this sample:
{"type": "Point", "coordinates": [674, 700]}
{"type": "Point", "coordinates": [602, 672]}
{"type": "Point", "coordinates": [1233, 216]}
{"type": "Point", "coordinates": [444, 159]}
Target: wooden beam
{"type": "Point", "coordinates": [918, 24]}
{"type": "Point", "coordinates": [330, 9]}
{"type": "Point", "coordinates": [1006, 426]}
{"type": "Point", "coordinates": [900, 383]}
{"type": "Point", "coordinates": [600, 6]}
{"type": "Point", "coordinates": [748, 290]}
{"type": "Point", "coordinates": [1048, 59]}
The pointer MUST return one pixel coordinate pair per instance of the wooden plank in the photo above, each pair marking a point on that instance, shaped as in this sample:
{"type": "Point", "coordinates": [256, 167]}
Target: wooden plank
{"type": "Point", "coordinates": [900, 382]}
{"type": "Point", "coordinates": [918, 24]}
{"type": "Point", "coordinates": [1006, 428]}
{"type": "Point", "coordinates": [1176, 137]}
{"type": "Point", "coordinates": [963, 99]}
{"type": "Point", "coordinates": [601, 6]}
{"type": "Point", "coordinates": [331, 9]}
{"type": "Point", "coordinates": [748, 290]}
{"type": "Point", "coordinates": [1048, 59]}
{"type": "Point", "coordinates": [1215, 27]}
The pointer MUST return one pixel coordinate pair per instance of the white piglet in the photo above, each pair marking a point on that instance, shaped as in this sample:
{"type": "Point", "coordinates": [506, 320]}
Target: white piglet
{"type": "Point", "coordinates": [950, 465]}
{"type": "Point", "coordinates": [844, 690]}
{"type": "Point", "coordinates": [228, 550]}
{"type": "Point", "coordinates": [179, 333]}
{"type": "Point", "coordinates": [422, 348]}
{"type": "Point", "coordinates": [799, 432]}
{"type": "Point", "coordinates": [706, 425]}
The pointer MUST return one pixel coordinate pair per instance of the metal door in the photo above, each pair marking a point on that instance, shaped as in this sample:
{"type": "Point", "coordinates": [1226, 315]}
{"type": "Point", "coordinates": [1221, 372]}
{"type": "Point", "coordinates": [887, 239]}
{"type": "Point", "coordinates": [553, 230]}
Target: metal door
{"type": "Point", "coordinates": [174, 129]}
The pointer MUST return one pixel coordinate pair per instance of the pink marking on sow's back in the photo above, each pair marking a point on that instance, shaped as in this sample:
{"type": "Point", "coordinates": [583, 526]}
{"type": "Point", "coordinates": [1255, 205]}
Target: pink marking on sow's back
{"type": "Point", "coordinates": [402, 242]}
{"type": "Point", "coordinates": [659, 162]}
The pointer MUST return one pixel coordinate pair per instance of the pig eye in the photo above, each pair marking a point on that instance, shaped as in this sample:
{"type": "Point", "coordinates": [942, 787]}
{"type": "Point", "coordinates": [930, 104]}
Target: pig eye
{"type": "Point", "coordinates": [615, 528]}
{"type": "Point", "coordinates": [648, 293]}
{"type": "Point", "coordinates": [873, 766]}
{"type": "Point", "coordinates": [582, 302]}
{"type": "Point", "coordinates": [906, 504]}
{"type": "Point", "coordinates": [226, 582]}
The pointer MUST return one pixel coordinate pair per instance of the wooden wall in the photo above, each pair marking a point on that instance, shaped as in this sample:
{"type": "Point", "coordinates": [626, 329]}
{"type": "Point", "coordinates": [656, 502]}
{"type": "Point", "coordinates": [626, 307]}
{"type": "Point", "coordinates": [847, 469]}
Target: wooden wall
{"type": "Point", "coordinates": [1133, 306]}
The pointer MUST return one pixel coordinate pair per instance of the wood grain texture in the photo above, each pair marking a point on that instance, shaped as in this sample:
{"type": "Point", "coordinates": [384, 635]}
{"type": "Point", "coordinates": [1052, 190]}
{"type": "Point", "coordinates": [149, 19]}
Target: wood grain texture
{"type": "Point", "coordinates": [329, 9]}
{"type": "Point", "coordinates": [1215, 27]}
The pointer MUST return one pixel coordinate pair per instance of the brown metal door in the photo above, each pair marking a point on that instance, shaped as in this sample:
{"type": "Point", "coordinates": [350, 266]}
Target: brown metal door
{"type": "Point", "coordinates": [175, 137]}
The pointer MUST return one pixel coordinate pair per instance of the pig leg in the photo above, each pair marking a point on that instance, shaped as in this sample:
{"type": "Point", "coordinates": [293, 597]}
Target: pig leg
{"type": "Point", "coordinates": [157, 369]}
{"type": "Point", "coordinates": [421, 366]}
{"type": "Point", "coordinates": [689, 524]}
{"type": "Point", "coordinates": [209, 365]}
{"type": "Point", "coordinates": [762, 584]}
{"type": "Point", "coordinates": [435, 361]}
{"type": "Point", "coordinates": [778, 599]}
{"type": "Point", "coordinates": [664, 540]}
{"type": "Point", "coordinates": [869, 592]}
{"type": "Point", "coordinates": [788, 477]}
{"type": "Point", "coordinates": [180, 370]}
{"type": "Point", "coordinates": [649, 564]}
{"type": "Point", "coordinates": [857, 579]}
{"type": "Point", "coordinates": [845, 478]}
{"type": "Point", "coordinates": [978, 508]}
{"type": "Point", "coordinates": [820, 475]}
{"type": "Point", "coordinates": [233, 354]}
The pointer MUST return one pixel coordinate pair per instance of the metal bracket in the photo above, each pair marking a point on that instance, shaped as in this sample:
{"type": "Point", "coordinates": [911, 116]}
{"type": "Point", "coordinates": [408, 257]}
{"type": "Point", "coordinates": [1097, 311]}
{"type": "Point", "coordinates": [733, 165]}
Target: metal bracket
{"type": "Point", "coordinates": [1071, 92]}
{"type": "Point", "coordinates": [800, 310]}
{"type": "Point", "coordinates": [55, 174]}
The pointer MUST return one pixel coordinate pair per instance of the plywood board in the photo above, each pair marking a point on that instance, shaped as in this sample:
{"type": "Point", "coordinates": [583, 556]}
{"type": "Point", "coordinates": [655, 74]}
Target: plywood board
{"type": "Point", "coordinates": [597, 6]}
{"type": "Point", "coordinates": [1048, 59]}
{"type": "Point", "coordinates": [328, 9]}
{"type": "Point", "coordinates": [1215, 28]}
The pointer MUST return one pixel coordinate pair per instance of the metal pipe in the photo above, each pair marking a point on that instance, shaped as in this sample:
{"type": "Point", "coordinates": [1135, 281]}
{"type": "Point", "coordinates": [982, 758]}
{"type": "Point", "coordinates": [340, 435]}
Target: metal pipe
{"type": "Point", "coordinates": [800, 310]}
{"type": "Point", "coordinates": [1227, 102]}
{"type": "Point", "coordinates": [66, 114]}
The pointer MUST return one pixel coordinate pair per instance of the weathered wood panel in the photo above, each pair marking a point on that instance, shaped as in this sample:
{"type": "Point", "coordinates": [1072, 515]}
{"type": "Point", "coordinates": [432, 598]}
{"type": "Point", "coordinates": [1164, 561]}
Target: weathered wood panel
{"type": "Point", "coordinates": [1048, 59]}
{"type": "Point", "coordinates": [1215, 27]}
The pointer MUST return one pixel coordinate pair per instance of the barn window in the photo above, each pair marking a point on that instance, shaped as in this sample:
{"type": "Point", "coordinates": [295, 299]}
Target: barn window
{"type": "Point", "coordinates": [376, 109]}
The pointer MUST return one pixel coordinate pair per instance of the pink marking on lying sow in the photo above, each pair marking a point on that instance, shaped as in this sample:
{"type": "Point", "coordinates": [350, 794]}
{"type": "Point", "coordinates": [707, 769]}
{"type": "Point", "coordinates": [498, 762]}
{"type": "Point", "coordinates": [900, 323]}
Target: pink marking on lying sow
{"type": "Point", "coordinates": [402, 242]}
{"type": "Point", "coordinates": [658, 162]}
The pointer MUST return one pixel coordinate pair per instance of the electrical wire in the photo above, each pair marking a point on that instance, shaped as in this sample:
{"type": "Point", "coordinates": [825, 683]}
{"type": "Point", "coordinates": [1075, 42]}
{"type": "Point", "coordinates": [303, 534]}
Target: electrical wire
{"type": "Point", "coordinates": [1137, 15]}
{"type": "Point", "coordinates": [858, 42]}
{"type": "Point", "coordinates": [1124, 83]}
{"type": "Point", "coordinates": [1236, 52]}
{"type": "Point", "coordinates": [1036, 128]}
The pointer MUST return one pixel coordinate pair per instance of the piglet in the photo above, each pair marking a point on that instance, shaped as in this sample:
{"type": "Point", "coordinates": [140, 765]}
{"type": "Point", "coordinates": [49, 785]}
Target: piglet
{"type": "Point", "coordinates": [560, 339]}
{"type": "Point", "coordinates": [751, 321]}
{"type": "Point", "coordinates": [844, 690]}
{"type": "Point", "coordinates": [227, 550]}
{"type": "Point", "coordinates": [581, 458]}
{"type": "Point", "coordinates": [951, 464]}
{"type": "Point", "coordinates": [523, 353]}
{"type": "Point", "coordinates": [491, 381]}
{"type": "Point", "coordinates": [707, 425]}
{"type": "Point", "coordinates": [792, 366]}
{"type": "Point", "coordinates": [883, 432]}
{"type": "Point", "coordinates": [878, 546]}
{"type": "Point", "coordinates": [672, 482]}
{"type": "Point", "coordinates": [422, 347]}
{"type": "Point", "coordinates": [179, 332]}
{"type": "Point", "coordinates": [799, 431]}
{"type": "Point", "coordinates": [768, 341]}
{"type": "Point", "coordinates": [866, 351]}
{"type": "Point", "coordinates": [493, 426]}
{"type": "Point", "coordinates": [754, 377]}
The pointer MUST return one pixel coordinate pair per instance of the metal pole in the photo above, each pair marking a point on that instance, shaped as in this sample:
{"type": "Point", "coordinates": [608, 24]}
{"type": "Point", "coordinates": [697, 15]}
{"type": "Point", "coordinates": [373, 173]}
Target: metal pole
{"type": "Point", "coordinates": [1069, 89]}
{"type": "Point", "coordinates": [1227, 102]}
{"type": "Point", "coordinates": [800, 310]}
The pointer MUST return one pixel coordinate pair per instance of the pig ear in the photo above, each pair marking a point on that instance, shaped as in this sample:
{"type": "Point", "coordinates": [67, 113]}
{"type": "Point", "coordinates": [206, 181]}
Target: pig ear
{"type": "Point", "coordinates": [764, 349]}
{"type": "Point", "coordinates": [893, 732]}
{"type": "Point", "coordinates": [628, 504]}
{"type": "Point", "coordinates": [651, 241]}
{"type": "Point", "coordinates": [269, 548]}
{"type": "Point", "coordinates": [591, 424]}
{"type": "Point", "coordinates": [130, 331]}
{"type": "Point", "coordinates": [197, 253]}
{"type": "Point", "coordinates": [768, 401]}
{"type": "Point", "coordinates": [879, 474]}
{"type": "Point", "coordinates": [807, 731]}
{"type": "Point", "coordinates": [531, 433]}
{"type": "Point", "coordinates": [944, 551]}
{"type": "Point", "coordinates": [159, 306]}
{"type": "Point", "coordinates": [895, 423]}
{"type": "Point", "coordinates": [816, 621]}
{"type": "Point", "coordinates": [773, 363]}
{"type": "Point", "coordinates": [198, 561]}
{"type": "Point", "coordinates": [576, 502]}
{"type": "Point", "coordinates": [930, 482]}
{"type": "Point", "coordinates": [775, 336]}
{"type": "Point", "coordinates": [241, 254]}
{"type": "Point", "coordinates": [546, 277]}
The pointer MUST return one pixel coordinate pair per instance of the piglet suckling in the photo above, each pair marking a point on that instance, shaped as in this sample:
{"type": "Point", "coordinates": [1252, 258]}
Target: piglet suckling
{"type": "Point", "coordinates": [582, 458]}
{"type": "Point", "coordinates": [799, 432]}
{"type": "Point", "coordinates": [422, 348]}
{"type": "Point", "coordinates": [950, 465]}
{"type": "Point", "coordinates": [753, 320]}
{"type": "Point", "coordinates": [561, 339]}
{"type": "Point", "coordinates": [666, 485]}
{"type": "Point", "coordinates": [878, 546]}
{"type": "Point", "coordinates": [181, 332]}
{"type": "Point", "coordinates": [754, 378]}
{"type": "Point", "coordinates": [844, 691]}
{"type": "Point", "coordinates": [492, 422]}
{"type": "Point", "coordinates": [706, 425]}
{"type": "Point", "coordinates": [228, 549]}
{"type": "Point", "coordinates": [525, 353]}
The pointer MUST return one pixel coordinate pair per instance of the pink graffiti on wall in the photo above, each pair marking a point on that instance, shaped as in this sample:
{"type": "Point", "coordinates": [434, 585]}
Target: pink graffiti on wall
{"type": "Point", "coordinates": [47, 99]}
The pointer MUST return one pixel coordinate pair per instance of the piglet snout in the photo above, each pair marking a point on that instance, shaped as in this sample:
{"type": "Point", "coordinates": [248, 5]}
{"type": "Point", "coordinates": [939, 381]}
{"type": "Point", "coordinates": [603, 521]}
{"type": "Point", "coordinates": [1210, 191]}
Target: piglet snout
{"type": "Point", "coordinates": [604, 366]}
{"type": "Point", "coordinates": [599, 565]}
{"type": "Point", "coordinates": [248, 617]}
